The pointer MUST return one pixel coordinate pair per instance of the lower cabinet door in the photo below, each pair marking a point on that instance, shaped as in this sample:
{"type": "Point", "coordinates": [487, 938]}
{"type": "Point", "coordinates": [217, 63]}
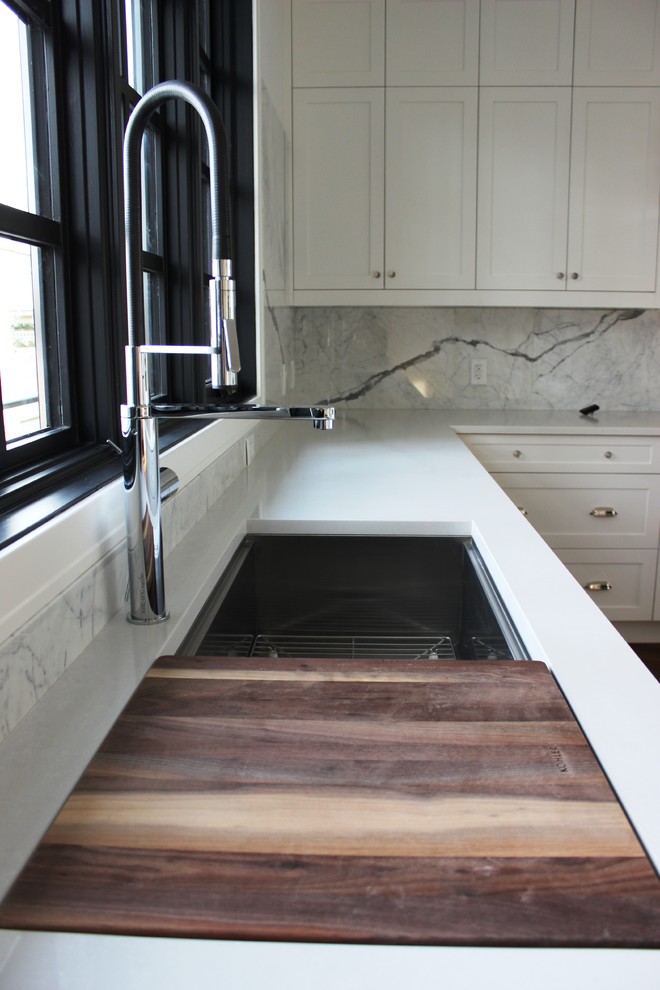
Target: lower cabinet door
{"type": "Point", "coordinates": [620, 582]}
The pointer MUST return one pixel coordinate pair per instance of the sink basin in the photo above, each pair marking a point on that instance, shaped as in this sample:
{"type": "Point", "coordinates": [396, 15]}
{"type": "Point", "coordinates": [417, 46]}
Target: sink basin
{"type": "Point", "coordinates": [355, 597]}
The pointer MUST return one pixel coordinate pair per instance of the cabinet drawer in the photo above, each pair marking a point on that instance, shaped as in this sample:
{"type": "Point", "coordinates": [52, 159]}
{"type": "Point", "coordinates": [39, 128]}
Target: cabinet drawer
{"type": "Point", "coordinates": [588, 510]}
{"type": "Point", "coordinates": [608, 454]}
{"type": "Point", "coordinates": [620, 582]}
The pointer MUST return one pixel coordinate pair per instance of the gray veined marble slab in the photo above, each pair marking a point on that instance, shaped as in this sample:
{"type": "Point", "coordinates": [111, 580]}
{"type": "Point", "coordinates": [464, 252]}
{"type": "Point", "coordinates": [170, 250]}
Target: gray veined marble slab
{"type": "Point", "coordinates": [420, 358]}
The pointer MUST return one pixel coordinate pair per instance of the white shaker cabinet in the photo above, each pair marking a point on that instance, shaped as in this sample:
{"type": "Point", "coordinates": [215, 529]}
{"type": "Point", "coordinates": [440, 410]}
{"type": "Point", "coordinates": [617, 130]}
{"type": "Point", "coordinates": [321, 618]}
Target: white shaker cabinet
{"type": "Point", "coordinates": [617, 43]}
{"type": "Point", "coordinates": [615, 177]}
{"type": "Point", "coordinates": [526, 42]}
{"type": "Point", "coordinates": [338, 42]}
{"type": "Point", "coordinates": [432, 43]}
{"type": "Point", "coordinates": [595, 499]}
{"type": "Point", "coordinates": [349, 42]}
{"type": "Point", "coordinates": [338, 188]}
{"type": "Point", "coordinates": [431, 168]}
{"type": "Point", "coordinates": [427, 168]}
{"type": "Point", "coordinates": [524, 149]}
{"type": "Point", "coordinates": [584, 219]}
{"type": "Point", "coordinates": [403, 194]}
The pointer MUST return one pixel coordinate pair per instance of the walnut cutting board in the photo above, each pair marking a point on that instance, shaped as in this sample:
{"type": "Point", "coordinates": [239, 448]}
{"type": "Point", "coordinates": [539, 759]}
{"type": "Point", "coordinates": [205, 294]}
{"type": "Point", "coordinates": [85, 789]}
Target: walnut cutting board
{"type": "Point", "coordinates": [427, 802]}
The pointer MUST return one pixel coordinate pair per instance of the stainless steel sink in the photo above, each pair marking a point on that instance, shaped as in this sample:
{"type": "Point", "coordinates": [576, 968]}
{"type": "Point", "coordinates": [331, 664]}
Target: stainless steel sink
{"type": "Point", "coordinates": [345, 597]}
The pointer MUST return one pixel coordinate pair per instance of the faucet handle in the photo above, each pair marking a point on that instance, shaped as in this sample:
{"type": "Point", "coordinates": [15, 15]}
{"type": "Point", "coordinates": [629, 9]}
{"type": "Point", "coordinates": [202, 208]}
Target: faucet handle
{"type": "Point", "coordinates": [222, 298]}
{"type": "Point", "coordinates": [230, 342]}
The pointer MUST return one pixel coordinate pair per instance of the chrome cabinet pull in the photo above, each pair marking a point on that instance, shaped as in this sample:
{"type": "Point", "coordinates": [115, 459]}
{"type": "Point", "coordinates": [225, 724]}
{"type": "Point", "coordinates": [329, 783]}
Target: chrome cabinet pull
{"type": "Point", "coordinates": [561, 275]}
{"type": "Point", "coordinates": [522, 510]}
{"type": "Point", "coordinates": [517, 453]}
{"type": "Point", "coordinates": [575, 275]}
{"type": "Point", "coordinates": [391, 274]}
{"type": "Point", "coordinates": [603, 512]}
{"type": "Point", "coordinates": [598, 586]}
{"type": "Point", "coordinates": [376, 274]}
{"type": "Point", "coordinates": [608, 454]}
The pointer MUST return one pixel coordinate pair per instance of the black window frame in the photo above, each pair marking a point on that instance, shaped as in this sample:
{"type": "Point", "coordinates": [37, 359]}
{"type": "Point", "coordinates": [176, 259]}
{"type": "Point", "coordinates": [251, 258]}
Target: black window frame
{"type": "Point", "coordinates": [44, 230]}
{"type": "Point", "coordinates": [88, 45]}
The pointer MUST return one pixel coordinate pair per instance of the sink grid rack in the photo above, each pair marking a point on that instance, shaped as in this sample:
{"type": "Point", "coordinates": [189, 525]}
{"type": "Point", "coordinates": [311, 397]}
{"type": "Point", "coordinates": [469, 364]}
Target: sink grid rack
{"type": "Point", "coordinates": [319, 647]}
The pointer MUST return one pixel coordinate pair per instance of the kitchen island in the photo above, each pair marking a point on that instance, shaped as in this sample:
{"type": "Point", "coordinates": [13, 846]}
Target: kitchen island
{"type": "Point", "coordinates": [378, 472]}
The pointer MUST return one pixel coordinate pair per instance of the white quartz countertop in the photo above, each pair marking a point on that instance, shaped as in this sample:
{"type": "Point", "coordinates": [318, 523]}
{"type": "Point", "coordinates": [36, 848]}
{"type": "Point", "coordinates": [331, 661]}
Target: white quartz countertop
{"type": "Point", "coordinates": [377, 472]}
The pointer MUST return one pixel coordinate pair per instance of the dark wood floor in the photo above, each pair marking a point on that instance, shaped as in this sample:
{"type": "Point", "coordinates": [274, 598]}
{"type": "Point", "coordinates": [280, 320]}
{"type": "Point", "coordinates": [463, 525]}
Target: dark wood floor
{"type": "Point", "coordinates": [649, 654]}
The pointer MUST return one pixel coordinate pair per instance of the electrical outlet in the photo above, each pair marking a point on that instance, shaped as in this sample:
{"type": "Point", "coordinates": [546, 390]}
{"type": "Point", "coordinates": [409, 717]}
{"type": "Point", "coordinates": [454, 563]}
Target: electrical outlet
{"type": "Point", "coordinates": [478, 371]}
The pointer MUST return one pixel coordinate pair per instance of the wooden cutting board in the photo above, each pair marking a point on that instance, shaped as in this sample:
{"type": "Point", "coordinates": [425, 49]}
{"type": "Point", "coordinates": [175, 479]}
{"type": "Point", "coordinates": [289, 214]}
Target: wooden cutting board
{"type": "Point", "coordinates": [406, 802]}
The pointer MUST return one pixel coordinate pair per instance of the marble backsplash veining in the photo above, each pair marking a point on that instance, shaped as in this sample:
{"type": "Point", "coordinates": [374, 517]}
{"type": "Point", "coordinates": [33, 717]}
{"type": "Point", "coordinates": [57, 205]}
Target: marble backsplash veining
{"type": "Point", "coordinates": [420, 358]}
{"type": "Point", "coordinates": [36, 654]}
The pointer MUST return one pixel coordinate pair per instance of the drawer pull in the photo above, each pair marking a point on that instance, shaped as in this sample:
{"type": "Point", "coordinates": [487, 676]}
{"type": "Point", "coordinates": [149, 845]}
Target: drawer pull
{"type": "Point", "coordinates": [522, 510]}
{"type": "Point", "coordinates": [603, 512]}
{"type": "Point", "coordinates": [598, 586]}
{"type": "Point", "coordinates": [609, 455]}
{"type": "Point", "coordinates": [517, 453]}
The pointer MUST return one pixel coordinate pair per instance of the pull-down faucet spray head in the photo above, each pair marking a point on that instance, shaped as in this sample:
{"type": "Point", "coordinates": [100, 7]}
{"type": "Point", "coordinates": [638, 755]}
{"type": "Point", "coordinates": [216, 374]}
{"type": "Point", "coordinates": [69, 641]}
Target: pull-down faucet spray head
{"type": "Point", "coordinates": [226, 363]}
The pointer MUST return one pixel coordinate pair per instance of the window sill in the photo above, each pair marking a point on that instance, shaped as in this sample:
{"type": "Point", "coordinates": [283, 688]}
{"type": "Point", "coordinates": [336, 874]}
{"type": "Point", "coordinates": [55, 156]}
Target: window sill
{"type": "Point", "coordinates": [29, 501]}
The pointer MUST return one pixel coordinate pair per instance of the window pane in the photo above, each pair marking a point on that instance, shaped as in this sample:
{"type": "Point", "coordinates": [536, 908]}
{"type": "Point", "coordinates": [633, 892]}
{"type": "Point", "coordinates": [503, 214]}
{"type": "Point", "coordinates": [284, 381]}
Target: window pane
{"type": "Point", "coordinates": [30, 397]}
{"type": "Point", "coordinates": [152, 283]}
{"type": "Point", "coordinates": [151, 236]}
{"type": "Point", "coordinates": [17, 186]}
{"type": "Point", "coordinates": [204, 27]}
{"type": "Point", "coordinates": [205, 82]}
{"type": "Point", "coordinates": [206, 227]}
{"type": "Point", "coordinates": [141, 44]}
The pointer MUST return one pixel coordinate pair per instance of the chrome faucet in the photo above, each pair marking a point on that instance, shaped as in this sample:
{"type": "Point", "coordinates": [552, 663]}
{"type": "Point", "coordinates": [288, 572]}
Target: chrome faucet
{"type": "Point", "coordinates": [139, 416]}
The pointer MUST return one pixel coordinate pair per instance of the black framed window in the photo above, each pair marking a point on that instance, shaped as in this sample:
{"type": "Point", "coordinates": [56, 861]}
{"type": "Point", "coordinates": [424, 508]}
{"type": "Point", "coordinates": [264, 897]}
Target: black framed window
{"type": "Point", "coordinates": [33, 343]}
{"type": "Point", "coordinates": [77, 70]}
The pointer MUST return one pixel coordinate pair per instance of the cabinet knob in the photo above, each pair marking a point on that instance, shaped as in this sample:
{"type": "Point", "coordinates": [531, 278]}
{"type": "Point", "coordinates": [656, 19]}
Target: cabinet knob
{"type": "Point", "coordinates": [517, 453]}
{"type": "Point", "coordinates": [391, 274]}
{"type": "Point", "coordinates": [376, 274]}
{"type": "Point", "coordinates": [574, 275]}
{"type": "Point", "coordinates": [608, 454]}
{"type": "Point", "coordinates": [561, 275]}
{"type": "Point", "coordinates": [523, 511]}
{"type": "Point", "coordinates": [603, 512]}
{"type": "Point", "coordinates": [598, 586]}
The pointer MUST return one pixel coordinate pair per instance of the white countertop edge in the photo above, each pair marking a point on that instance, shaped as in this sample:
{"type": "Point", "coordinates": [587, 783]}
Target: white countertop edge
{"type": "Point", "coordinates": [35, 961]}
{"type": "Point", "coordinates": [553, 421]}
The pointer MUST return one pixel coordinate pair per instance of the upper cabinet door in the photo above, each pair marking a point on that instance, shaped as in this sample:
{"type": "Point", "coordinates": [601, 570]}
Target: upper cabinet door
{"type": "Point", "coordinates": [338, 178]}
{"type": "Point", "coordinates": [524, 139]}
{"type": "Point", "coordinates": [617, 43]}
{"type": "Point", "coordinates": [431, 173]}
{"type": "Point", "coordinates": [615, 176]}
{"type": "Point", "coordinates": [338, 42]}
{"type": "Point", "coordinates": [432, 42]}
{"type": "Point", "coordinates": [527, 42]}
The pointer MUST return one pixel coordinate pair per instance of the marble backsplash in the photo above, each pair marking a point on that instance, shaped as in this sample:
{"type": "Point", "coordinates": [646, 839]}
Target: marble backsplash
{"type": "Point", "coordinates": [421, 357]}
